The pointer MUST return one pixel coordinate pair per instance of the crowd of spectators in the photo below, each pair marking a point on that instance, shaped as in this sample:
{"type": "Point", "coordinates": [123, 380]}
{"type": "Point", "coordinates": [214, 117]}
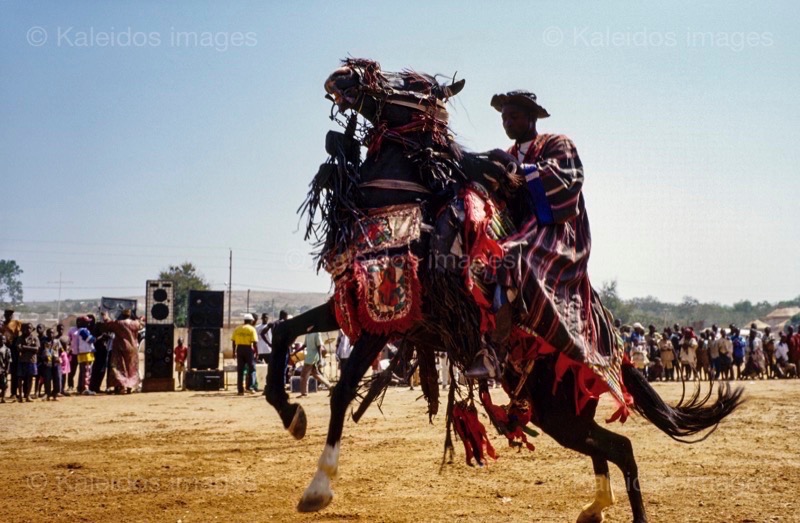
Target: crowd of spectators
{"type": "Point", "coordinates": [49, 363]}
{"type": "Point", "coordinates": [680, 353]}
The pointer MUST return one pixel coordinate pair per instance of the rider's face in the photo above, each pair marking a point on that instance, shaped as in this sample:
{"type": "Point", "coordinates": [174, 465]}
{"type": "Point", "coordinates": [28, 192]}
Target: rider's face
{"type": "Point", "coordinates": [517, 122]}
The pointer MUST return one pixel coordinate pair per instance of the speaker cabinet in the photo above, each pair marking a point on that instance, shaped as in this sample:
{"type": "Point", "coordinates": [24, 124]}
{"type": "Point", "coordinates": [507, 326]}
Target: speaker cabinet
{"type": "Point", "coordinates": [115, 306]}
{"type": "Point", "coordinates": [204, 345]}
{"type": "Point", "coordinates": [204, 380]}
{"type": "Point", "coordinates": [206, 309]}
{"type": "Point", "coordinates": [159, 302]}
{"type": "Point", "coordinates": [158, 351]}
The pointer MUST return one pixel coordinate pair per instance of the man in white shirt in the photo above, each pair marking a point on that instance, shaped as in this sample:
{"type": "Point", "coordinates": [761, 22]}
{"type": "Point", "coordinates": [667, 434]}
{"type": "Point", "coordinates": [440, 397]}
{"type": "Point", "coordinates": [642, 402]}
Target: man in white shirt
{"type": "Point", "coordinates": [264, 331]}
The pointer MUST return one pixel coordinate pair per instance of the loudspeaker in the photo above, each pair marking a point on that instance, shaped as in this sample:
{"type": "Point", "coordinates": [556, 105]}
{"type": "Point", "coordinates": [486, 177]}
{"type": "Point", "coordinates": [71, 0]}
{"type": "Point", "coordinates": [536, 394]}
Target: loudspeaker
{"type": "Point", "coordinates": [204, 380]}
{"type": "Point", "coordinates": [204, 348]}
{"type": "Point", "coordinates": [158, 351]}
{"type": "Point", "coordinates": [115, 306]}
{"type": "Point", "coordinates": [295, 384]}
{"type": "Point", "coordinates": [206, 309]}
{"type": "Point", "coordinates": [158, 301]}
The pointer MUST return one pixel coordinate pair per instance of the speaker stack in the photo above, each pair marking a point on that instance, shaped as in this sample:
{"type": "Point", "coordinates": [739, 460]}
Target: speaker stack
{"type": "Point", "coordinates": [159, 337]}
{"type": "Point", "coordinates": [205, 317]}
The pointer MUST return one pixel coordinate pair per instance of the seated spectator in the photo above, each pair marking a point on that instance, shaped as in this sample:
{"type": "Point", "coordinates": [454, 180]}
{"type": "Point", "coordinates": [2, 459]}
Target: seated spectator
{"type": "Point", "coordinates": [656, 371]}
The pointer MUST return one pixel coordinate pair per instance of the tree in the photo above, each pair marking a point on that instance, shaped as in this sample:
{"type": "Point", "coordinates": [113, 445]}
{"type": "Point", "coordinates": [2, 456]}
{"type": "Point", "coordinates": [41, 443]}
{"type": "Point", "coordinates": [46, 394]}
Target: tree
{"type": "Point", "coordinates": [184, 278]}
{"type": "Point", "coordinates": [10, 286]}
{"type": "Point", "coordinates": [611, 301]}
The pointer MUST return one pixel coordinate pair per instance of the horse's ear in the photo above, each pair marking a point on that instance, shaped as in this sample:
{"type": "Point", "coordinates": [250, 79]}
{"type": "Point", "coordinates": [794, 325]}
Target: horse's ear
{"type": "Point", "coordinates": [454, 88]}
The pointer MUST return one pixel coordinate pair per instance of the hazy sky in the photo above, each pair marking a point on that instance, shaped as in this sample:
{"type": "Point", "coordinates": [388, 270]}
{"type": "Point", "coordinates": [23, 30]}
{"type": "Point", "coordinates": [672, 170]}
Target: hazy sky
{"type": "Point", "coordinates": [135, 135]}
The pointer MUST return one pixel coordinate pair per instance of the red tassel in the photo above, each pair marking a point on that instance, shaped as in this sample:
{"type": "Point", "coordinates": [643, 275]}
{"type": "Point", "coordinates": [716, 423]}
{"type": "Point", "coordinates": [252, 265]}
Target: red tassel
{"type": "Point", "coordinates": [472, 433]}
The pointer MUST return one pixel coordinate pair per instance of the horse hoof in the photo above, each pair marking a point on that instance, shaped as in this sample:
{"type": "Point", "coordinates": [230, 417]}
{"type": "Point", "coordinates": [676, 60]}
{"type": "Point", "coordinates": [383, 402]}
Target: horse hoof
{"type": "Point", "coordinates": [297, 427]}
{"type": "Point", "coordinates": [314, 503]}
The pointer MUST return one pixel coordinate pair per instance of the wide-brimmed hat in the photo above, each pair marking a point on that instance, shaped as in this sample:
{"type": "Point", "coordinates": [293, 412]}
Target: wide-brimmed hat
{"type": "Point", "coordinates": [524, 99]}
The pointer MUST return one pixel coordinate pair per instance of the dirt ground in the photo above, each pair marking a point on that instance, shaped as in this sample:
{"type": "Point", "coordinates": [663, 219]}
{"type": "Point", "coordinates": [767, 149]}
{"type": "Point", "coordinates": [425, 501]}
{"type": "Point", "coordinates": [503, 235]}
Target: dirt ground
{"type": "Point", "coordinates": [199, 457]}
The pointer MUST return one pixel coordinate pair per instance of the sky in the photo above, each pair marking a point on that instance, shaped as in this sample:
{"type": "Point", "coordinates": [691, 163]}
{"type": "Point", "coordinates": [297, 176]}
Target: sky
{"type": "Point", "coordinates": [139, 135]}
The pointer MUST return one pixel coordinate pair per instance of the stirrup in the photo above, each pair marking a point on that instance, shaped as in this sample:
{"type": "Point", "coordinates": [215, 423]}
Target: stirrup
{"type": "Point", "coordinates": [484, 367]}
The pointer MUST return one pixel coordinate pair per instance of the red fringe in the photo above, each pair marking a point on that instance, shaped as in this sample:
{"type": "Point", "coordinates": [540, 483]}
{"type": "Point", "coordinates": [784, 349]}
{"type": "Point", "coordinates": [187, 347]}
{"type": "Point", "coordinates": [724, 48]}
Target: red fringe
{"type": "Point", "coordinates": [472, 433]}
{"type": "Point", "coordinates": [481, 249]}
{"type": "Point", "coordinates": [344, 307]}
{"type": "Point", "coordinates": [509, 420]}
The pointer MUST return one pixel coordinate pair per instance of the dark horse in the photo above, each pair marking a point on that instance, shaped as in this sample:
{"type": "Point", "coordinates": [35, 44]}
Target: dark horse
{"type": "Point", "coordinates": [413, 163]}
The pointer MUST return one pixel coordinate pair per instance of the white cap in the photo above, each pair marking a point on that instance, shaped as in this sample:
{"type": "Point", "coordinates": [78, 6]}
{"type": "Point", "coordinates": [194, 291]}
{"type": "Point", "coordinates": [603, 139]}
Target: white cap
{"type": "Point", "coordinates": [249, 317]}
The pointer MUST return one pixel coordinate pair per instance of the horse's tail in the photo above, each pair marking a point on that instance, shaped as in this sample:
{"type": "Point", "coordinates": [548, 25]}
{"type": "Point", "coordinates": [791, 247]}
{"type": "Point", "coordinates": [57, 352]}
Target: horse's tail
{"type": "Point", "coordinates": [687, 418]}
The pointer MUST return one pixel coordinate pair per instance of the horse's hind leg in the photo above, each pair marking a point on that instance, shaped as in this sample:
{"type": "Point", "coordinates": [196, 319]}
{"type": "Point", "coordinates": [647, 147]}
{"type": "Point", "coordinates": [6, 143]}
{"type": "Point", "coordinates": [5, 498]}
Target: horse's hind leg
{"type": "Point", "coordinates": [618, 450]}
{"type": "Point", "coordinates": [603, 494]}
{"type": "Point", "coordinates": [319, 494]}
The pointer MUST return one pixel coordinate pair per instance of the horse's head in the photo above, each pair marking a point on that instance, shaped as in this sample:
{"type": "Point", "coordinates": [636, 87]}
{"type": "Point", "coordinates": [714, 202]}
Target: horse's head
{"type": "Point", "coordinates": [390, 98]}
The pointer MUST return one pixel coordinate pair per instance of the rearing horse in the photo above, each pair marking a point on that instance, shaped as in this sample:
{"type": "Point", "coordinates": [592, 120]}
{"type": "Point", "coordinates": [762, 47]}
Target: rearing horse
{"type": "Point", "coordinates": [384, 220]}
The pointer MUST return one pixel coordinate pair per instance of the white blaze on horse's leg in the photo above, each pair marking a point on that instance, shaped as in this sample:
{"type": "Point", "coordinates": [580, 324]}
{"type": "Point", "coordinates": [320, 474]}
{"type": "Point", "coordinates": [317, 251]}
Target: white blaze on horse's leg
{"type": "Point", "coordinates": [603, 498]}
{"type": "Point", "coordinates": [318, 494]}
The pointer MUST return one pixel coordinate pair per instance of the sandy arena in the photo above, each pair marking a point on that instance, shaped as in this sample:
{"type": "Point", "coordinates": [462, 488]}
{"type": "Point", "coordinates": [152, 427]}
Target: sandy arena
{"type": "Point", "coordinates": [199, 457]}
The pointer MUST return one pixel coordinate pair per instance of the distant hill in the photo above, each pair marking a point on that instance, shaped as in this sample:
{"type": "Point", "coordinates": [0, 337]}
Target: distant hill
{"type": "Point", "coordinates": [259, 302]}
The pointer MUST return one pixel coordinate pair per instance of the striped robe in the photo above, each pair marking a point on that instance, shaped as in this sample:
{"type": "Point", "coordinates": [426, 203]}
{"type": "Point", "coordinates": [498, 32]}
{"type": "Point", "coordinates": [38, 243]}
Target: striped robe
{"type": "Point", "coordinates": [552, 253]}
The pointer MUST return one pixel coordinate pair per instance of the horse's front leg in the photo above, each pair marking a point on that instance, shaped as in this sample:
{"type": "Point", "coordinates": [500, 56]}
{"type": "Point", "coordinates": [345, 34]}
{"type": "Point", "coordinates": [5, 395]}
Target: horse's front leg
{"type": "Point", "coordinates": [318, 319]}
{"type": "Point", "coordinates": [319, 493]}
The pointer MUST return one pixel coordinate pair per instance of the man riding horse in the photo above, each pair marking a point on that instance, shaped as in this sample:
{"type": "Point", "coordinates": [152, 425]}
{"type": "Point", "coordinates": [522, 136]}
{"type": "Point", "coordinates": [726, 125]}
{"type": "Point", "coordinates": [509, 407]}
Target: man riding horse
{"type": "Point", "coordinates": [548, 284]}
{"type": "Point", "coordinates": [462, 252]}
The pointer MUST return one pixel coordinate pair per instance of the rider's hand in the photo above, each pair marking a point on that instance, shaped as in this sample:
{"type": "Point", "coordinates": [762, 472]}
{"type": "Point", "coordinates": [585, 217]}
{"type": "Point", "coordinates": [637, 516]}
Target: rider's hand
{"type": "Point", "coordinates": [499, 155]}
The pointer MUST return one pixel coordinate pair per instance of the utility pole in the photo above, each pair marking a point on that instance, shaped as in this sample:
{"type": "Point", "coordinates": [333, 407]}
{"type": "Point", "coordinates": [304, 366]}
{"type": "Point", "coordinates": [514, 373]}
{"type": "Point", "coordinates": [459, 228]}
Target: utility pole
{"type": "Point", "coordinates": [58, 307]}
{"type": "Point", "coordinates": [230, 283]}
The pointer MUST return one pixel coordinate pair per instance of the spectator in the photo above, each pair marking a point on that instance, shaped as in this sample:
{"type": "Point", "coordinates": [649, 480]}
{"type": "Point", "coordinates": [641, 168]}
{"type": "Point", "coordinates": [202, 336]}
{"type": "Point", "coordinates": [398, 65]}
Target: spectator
{"type": "Point", "coordinates": [312, 347]}
{"type": "Point", "coordinates": [784, 369]}
{"type": "Point", "coordinates": [102, 350]}
{"type": "Point", "coordinates": [180, 354]}
{"type": "Point", "coordinates": [343, 350]}
{"type": "Point", "coordinates": [738, 343]}
{"type": "Point", "coordinates": [264, 331]}
{"type": "Point", "coordinates": [86, 341]}
{"type": "Point", "coordinates": [703, 358]}
{"type": "Point", "coordinates": [639, 357]}
{"type": "Point", "coordinates": [768, 342]}
{"type": "Point", "coordinates": [124, 357]}
{"type": "Point", "coordinates": [5, 364]}
{"type": "Point", "coordinates": [41, 333]}
{"type": "Point", "coordinates": [656, 370]}
{"type": "Point", "coordinates": [48, 362]}
{"type": "Point", "coordinates": [63, 354]}
{"type": "Point", "coordinates": [688, 354]}
{"type": "Point", "coordinates": [27, 345]}
{"type": "Point", "coordinates": [713, 352]}
{"type": "Point", "coordinates": [72, 334]}
{"type": "Point", "coordinates": [793, 341]}
{"type": "Point", "coordinates": [667, 354]}
{"type": "Point", "coordinates": [675, 339]}
{"type": "Point", "coordinates": [12, 329]}
{"type": "Point", "coordinates": [725, 359]}
{"type": "Point", "coordinates": [244, 341]}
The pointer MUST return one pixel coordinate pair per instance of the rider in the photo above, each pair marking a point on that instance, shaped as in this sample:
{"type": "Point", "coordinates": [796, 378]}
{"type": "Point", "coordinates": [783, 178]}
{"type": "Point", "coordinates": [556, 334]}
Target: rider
{"type": "Point", "coordinates": [547, 281]}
